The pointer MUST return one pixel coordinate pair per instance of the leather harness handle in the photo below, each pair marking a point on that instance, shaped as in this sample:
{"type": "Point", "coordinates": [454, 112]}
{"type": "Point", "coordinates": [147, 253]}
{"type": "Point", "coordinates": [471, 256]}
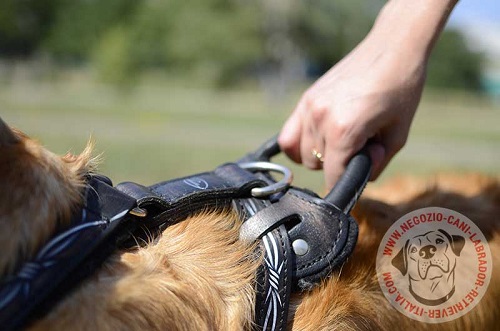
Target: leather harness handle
{"type": "Point", "coordinates": [348, 188]}
{"type": "Point", "coordinates": [351, 184]}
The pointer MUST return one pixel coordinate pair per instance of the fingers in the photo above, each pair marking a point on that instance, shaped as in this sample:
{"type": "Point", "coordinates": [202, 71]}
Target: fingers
{"type": "Point", "coordinates": [342, 142]}
{"type": "Point", "coordinates": [315, 138]}
{"type": "Point", "coordinates": [301, 135]}
{"type": "Point", "coordinates": [377, 153]}
{"type": "Point", "coordinates": [334, 167]}
{"type": "Point", "coordinates": [391, 141]}
{"type": "Point", "coordinates": [311, 145]}
{"type": "Point", "coordinates": [301, 140]}
{"type": "Point", "coordinates": [290, 135]}
{"type": "Point", "coordinates": [325, 133]}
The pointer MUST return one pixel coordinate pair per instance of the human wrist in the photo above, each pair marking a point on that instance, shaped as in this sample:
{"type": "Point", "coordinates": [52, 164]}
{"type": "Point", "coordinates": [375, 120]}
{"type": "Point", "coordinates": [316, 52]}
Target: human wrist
{"type": "Point", "coordinates": [410, 26]}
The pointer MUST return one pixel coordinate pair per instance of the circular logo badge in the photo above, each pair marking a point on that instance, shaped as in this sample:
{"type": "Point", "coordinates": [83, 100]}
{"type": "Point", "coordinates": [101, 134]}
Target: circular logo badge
{"type": "Point", "coordinates": [434, 265]}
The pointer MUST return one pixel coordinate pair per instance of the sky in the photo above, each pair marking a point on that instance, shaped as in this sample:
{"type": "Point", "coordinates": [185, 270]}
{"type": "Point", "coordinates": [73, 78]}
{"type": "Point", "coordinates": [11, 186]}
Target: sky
{"type": "Point", "coordinates": [480, 22]}
{"type": "Point", "coordinates": [476, 10]}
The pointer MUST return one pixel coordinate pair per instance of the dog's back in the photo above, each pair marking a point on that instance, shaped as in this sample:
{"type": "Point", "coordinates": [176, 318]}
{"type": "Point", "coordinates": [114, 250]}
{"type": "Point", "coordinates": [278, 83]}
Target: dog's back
{"type": "Point", "coordinates": [198, 276]}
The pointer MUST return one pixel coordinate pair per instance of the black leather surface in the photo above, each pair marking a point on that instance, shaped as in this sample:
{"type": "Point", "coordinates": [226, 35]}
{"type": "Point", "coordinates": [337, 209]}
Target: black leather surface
{"type": "Point", "coordinates": [172, 201]}
{"type": "Point", "coordinates": [274, 282]}
{"type": "Point", "coordinates": [330, 234]}
{"type": "Point", "coordinates": [64, 261]}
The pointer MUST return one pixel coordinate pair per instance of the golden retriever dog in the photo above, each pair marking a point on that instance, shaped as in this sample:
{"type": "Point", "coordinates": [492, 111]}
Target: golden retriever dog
{"type": "Point", "coordinates": [198, 275]}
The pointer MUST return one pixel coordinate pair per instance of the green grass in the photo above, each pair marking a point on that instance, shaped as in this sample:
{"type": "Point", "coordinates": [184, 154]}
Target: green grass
{"type": "Point", "coordinates": [165, 130]}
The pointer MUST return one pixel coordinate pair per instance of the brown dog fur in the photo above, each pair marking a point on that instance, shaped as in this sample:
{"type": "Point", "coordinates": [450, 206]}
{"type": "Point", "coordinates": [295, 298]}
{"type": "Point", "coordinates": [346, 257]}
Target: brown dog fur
{"type": "Point", "coordinates": [199, 276]}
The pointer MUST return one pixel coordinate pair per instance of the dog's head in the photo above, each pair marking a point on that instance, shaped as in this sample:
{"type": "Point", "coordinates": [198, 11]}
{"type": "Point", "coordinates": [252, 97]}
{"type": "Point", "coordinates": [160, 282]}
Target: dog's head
{"type": "Point", "coordinates": [429, 259]}
{"type": "Point", "coordinates": [39, 192]}
{"type": "Point", "coordinates": [433, 250]}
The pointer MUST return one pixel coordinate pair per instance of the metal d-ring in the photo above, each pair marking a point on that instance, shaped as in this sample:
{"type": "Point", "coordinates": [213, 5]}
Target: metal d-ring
{"type": "Point", "coordinates": [283, 184]}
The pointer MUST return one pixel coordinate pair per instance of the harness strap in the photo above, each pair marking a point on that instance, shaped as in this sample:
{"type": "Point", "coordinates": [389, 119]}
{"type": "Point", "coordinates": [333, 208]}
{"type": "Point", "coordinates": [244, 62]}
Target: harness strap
{"type": "Point", "coordinates": [325, 236]}
{"type": "Point", "coordinates": [171, 201]}
{"type": "Point", "coordinates": [273, 283]}
{"type": "Point", "coordinates": [70, 256]}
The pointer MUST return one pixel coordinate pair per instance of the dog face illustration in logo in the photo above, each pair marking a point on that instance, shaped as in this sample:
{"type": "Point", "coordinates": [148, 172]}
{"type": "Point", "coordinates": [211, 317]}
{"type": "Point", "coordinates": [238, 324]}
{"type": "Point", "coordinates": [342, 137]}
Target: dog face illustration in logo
{"type": "Point", "coordinates": [429, 260]}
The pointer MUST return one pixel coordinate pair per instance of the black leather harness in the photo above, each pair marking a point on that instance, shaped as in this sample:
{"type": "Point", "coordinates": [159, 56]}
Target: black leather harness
{"type": "Point", "coordinates": [303, 237]}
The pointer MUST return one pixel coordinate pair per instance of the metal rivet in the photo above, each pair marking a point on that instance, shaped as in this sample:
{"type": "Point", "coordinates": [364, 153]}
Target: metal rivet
{"type": "Point", "coordinates": [139, 212]}
{"type": "Point", "coordinates": [300, 247]}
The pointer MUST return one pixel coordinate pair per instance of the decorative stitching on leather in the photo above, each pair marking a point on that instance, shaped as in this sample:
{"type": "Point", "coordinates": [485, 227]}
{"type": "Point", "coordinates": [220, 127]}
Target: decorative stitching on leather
{"type": "Point", "coordinates": [322, 257]}
{"type": "Point", "coordinates": [301, 198]}
{"type": "Point", "coordinates": [334, 245]}
{"type": "Point", "coordinates": [265, 279]}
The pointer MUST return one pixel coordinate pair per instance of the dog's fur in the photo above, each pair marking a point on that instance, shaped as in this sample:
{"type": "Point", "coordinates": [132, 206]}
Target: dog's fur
{"type": "Point", "coordinates": [199, 276]}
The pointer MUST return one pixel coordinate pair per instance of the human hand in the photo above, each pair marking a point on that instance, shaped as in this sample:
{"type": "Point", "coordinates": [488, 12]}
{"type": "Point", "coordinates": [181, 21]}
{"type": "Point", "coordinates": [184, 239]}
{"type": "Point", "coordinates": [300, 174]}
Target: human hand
{"type": "Point", "coordinates": [369, 97]}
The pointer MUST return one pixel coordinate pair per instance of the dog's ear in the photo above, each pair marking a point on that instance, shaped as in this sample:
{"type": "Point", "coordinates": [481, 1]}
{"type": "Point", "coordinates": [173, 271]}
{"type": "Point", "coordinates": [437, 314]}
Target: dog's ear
{"type": "Point", "coordinates": [457, 242]}
{"type": "Point", "coordinates": [7, 136]}
{"type": "Point", "coordinates": [400, 261]}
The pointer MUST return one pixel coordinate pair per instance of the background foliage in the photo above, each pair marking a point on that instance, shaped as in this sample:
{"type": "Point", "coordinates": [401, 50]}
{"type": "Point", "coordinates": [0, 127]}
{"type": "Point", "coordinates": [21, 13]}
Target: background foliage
{"type": "Point", "coordinates": [221, 41]}
{"type": "Point", "coordinates": [170, 119]}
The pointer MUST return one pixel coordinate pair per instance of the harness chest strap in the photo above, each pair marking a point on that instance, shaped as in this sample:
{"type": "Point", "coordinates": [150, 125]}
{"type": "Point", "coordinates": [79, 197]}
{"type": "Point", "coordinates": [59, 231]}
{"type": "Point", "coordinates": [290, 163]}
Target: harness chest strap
{"type": "Point", "coordinates": [171, 201]}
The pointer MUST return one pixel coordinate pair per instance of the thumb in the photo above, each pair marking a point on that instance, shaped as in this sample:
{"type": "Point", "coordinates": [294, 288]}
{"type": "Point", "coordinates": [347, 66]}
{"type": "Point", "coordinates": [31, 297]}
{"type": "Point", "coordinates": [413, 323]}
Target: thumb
{"type": "Point", "coordinates": [336, 162]}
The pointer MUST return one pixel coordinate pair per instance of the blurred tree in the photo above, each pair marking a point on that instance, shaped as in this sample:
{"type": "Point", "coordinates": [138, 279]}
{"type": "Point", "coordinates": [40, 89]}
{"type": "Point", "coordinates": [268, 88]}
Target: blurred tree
{"type": "Point", "coordinates": [80, 24]}
{"type": "Point", "coordinates": [24, 24]}
{"type": "Point", "coordinates": [453, 64]}
{"type": "Point", "coordinates": [113, 61]}
{"type": "Point", "coordinates": [220, 40]}
{"type": "Point", "coordinates": [327, 30]}
{"type": "Point", "coordinates": [129, 47]}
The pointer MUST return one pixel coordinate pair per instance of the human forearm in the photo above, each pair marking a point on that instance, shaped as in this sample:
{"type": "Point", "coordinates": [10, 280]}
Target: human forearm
{"type": "Point", "coordinates": [411, 25]}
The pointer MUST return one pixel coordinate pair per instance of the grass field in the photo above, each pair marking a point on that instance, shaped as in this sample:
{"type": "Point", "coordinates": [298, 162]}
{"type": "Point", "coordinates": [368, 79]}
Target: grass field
{"type": "Point", "coordinates": [163, 130]}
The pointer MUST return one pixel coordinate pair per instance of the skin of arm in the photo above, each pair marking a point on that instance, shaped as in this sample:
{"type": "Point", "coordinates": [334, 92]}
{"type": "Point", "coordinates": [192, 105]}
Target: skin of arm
{"type": "Point", "coordinates": [371, 95]}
